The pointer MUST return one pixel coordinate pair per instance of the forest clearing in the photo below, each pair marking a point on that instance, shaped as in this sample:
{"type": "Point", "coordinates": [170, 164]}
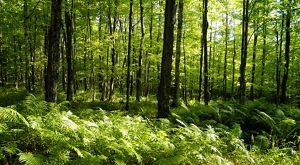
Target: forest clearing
{"type": "Point", "coordinates": [150, 82]}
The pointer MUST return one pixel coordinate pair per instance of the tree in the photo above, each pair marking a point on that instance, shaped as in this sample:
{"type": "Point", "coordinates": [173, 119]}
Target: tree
{"type": "Point", "coordinates": [204, 35]}
{"type": "Point", "coordinates": [166, 61]}
{"type": "Point", "coordinates": [128, 57]}
{"type": "Point", "coordinates": [139, 73]}
{"type": "Point", "coordinates": [70, 76]}
{"type": "Point", "coordinates": [287, 53]}
{"type": "Point", "coordinates": [242, 79]}
{"type": "Point", "coordinates": [178, 52]}
{"type": "Point", "coordinates": [254, 60]}
{"type": "Point", "coordinates": [226, 52]}
{"type": "Point", "coordinates": [53, 52]}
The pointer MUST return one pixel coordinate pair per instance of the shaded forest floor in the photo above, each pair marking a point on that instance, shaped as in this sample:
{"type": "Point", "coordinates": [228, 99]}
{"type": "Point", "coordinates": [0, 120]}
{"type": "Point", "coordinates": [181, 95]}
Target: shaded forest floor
{"type": "Point", "coordinates": [85, 132]}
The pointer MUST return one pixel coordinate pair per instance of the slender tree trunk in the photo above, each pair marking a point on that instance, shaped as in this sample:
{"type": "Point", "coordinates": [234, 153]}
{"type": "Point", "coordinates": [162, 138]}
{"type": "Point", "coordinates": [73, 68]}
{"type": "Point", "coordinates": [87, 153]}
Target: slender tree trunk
{"type": "Point", "coordinates": [204, 33]}
{"type": "Point", "coordinates": [85, 63]}
{"type": "Point", "coordinates": [242, 78]}
{"type": "Point", "coordinates": [53, 52]}
{"type": "Point", "coordinates": [185, 72]}
{"type": "Point", "coordinates": [225, 56]}
{"type": "Point", "coordinates": [287, 53]}
{"type": "Point", "coordinates": [178, 52]}
{"type": "Point", "coordinates": [278, 64]}
{"type": "Point", "coordinates": [147, 62]}
{"type": "Point", "coordinates": [33, 56]}
{"type": "Point", "coordinates": [166, 62]}
{"type": "Point", "coordinates": [233, 68]}
{"type": "Point", "coordinates": [253, 61]}
{"type": "Point", "coordinates": [75, 83]}
{"type": "Point", "coordinates": [91, 57]}
{"type": "Point", "coordinates": [200, 71]}
{"type": "Point", "coordinates": [112, 28]}
{"type": "Point", "coordinates": [139, 73]}
{"type": "Point", "coordinates": [26, 40]}
{"type": "Point", "coordinates": [263, 60]}
{"type": "Point", "coordinates": [70, 76]}
{"type": "Point", "coordinates": [128, 56]}
{"type": "Point", "coordinates": [63, 69]}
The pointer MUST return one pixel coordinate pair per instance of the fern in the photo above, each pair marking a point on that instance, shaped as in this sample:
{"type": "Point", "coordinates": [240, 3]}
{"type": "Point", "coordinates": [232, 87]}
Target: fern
{"type": "Point", "coordinates": [30, 159]}
{"type": "Point", "coordinates": [11, 115]}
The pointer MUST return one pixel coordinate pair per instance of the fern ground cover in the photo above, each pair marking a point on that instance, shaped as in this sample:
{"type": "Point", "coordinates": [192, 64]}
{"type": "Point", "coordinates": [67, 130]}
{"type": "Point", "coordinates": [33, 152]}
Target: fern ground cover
{"type": "Point", "coordinates": [35, 132]}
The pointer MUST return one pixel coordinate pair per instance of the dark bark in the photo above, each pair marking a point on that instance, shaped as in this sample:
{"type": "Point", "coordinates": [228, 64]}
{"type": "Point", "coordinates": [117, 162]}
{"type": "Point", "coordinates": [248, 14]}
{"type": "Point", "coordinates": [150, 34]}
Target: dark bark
{"type": "Point", "coordinates": [204, 35]}
{"type": "Point", "coordinates": [263, 60]}
{"type": "Point", "coordinates": [242, 78]}
{"type": "Point", "coordinates": [112, 28]}
{"type": "Point", "coordinates": [26, 40]}
{"type": "Point", "coordinates": [253, 61]}
{"type": "Point", "coordinates": [139, 73]}
{"type": "Point", "coordinates": [178, 53]}
{"type": "Point", "coordinates": [287, 53]}
{"type": "Point", "coordinates": [185, 73]}
{"type": "Point", "coordinates": [233, 67]}
{"type": "Point", "coordinates": [70, 76]}
{"type": "Point", "coordinates": [163, 95]}
{"type": "Point", "coordinates": [85, 63]}
{"type": "Point", "coordinates": [53, 51]}
{"type": "Point", "coordinates": [63, 68]}
{"type": "Point", "coordinates": [128, 56]}
{"type": "Point", "coordinates": [200, 71]}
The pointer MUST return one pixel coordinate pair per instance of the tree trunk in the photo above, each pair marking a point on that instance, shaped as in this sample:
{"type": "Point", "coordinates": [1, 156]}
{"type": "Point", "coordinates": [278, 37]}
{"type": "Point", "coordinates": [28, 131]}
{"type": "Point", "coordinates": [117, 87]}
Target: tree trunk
{"type": "Point", "coordinates": [26, 40]}
{"type": "Point", "coordinates": [63, 69]}
{"type": "Point", "coordinates": [166, 62]}
{"type": "Point", "coordinates": [233, 68]}
{"type": "Point", "coordinates": [178, 52]}
{"type": "Point", "coordinates": [185, 73]}
{"type": "Point", "coordinates": [68, 41]}
{"type": "Point", "coordinates": [287, 53]}
{"type": "Point", "coordinates": [263, 60]}
{"type": "Point", "coordinates": [225, 56]}
{"type": "Point", "coordinates": [128, 56]}
{"type": "Point", "coordinates": [139, 73]}
{"type": "Point", "coordinates": [242, 79]}
{"type": "Point", "coordinates": [253, 61]}
{"type": "Point", "coordinates": [112, 28]}
{"type": "Point", "coordinates": [53, 52]}
{"type": "Point", "coordinates": [200, 71]}
{"type": "Point", "coordinates": [204, 35]}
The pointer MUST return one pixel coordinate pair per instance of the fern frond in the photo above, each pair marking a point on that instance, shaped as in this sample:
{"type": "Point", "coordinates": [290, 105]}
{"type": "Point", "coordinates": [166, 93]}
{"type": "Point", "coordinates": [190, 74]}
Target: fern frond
{"type": "Point", "coordinates": [11, 115]}
{"type": "Point", "coordinates": [29, 159]}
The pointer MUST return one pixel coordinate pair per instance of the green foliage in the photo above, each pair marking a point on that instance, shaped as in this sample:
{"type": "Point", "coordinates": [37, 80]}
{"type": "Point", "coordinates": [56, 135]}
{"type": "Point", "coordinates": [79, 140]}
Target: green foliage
{"type": "Point", "coordinates": [53, 134]}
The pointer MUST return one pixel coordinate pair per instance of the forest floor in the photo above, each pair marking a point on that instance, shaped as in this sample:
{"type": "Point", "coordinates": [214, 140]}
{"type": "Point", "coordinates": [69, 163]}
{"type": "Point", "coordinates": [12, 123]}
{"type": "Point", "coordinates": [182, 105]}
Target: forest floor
{"type": "Point", "coordinates": [85, 132]}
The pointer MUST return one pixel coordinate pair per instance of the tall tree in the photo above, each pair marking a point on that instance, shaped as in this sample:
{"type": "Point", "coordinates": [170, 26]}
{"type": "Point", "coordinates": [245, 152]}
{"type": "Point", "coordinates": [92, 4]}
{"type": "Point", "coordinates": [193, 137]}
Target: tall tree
{"type": "Point", "coordinates": [166, 61]}
{"type": "Point", "coordinates": [128, 56]}
{"type": "Point", "coordinates": [254, 60]}
{"type": "Point", "coordinates": [204, 35]}
{"type": "Point", "coordinates": [226, 52]}
{"type": "Point", "coordinates": [139, 73]}
{"type": "Point", "coordinates": [70, 76]}
{"type": "Point", "coordinates": [287, 52]}
{"type": "Point", "coordinates": [244, 51]}
{"type": "Point", "coordinates": [53, 51]}
{"type": "Point", "coordinates": [178, 53]}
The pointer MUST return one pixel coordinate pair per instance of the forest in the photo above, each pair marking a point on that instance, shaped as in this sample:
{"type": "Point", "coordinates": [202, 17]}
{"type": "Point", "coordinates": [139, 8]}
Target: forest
{"type": "Point", "coordinates": [149, 82]}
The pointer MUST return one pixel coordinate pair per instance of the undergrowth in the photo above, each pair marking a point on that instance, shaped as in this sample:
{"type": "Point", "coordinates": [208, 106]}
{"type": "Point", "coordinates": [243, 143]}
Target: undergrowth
{"type": "Point", "coordinates": [35, 132]}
